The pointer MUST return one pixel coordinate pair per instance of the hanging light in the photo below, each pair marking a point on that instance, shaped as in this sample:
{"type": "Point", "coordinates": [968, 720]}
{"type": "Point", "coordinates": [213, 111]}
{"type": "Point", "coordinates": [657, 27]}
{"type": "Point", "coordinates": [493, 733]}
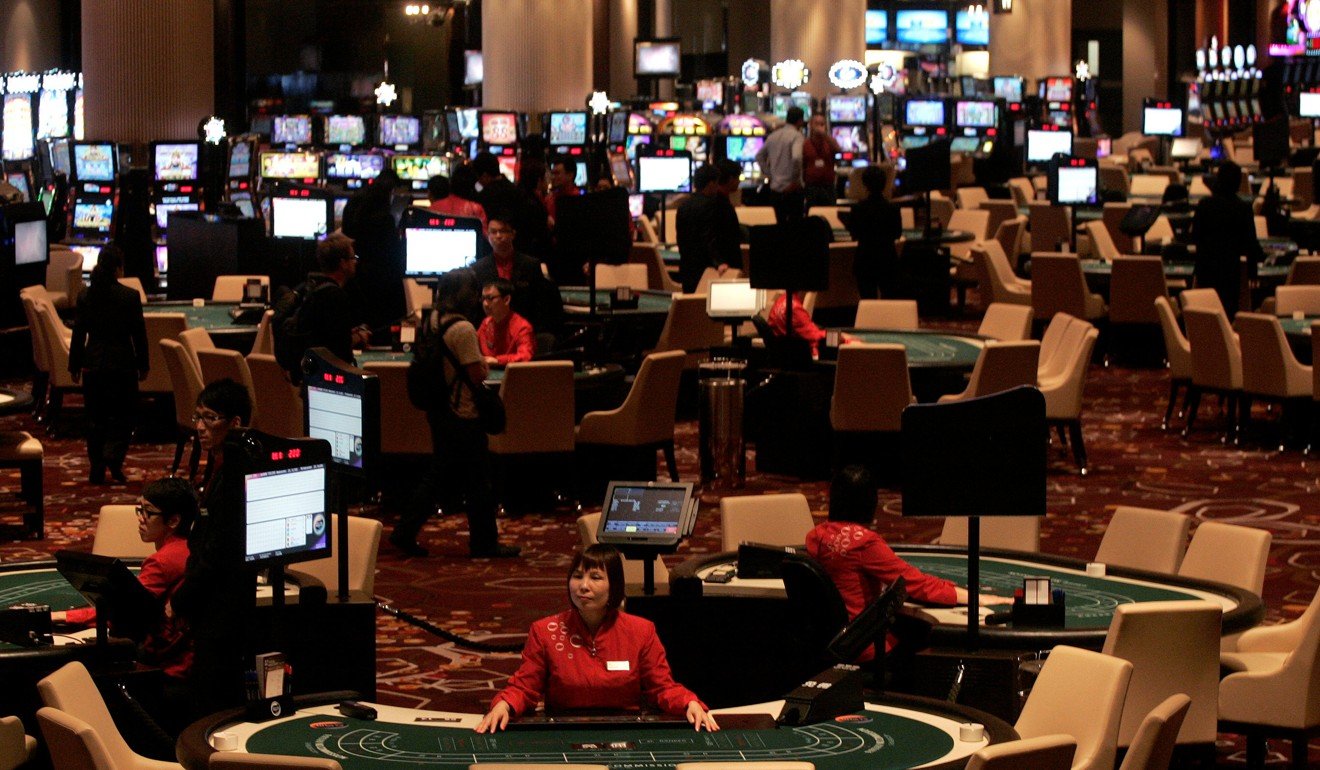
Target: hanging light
{"type": "Point", "coordinates": [213, 130]}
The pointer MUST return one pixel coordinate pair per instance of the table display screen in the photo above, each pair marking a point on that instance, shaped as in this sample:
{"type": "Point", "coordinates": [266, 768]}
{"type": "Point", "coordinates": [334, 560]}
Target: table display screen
{"type": "Point", "coordinates": [94, 162]}
{"type": "Point", "coordinates": [336, 416]}
{"type": "Point", "coordinates": [432, 251]}
{"type": "Point", "coordinates": [178, 162]}
{"type": "Point", "coordinates": [30, 242]}
{"type": "Point", "coordinates": [1185, 148]}
{"type": "Point", "coordinates": [1308, 105]}
{"type": "Point", "coordinates": [568, 129]}
{"type": "Point", "coordinates": [1077, 186]}
{"type": "Point", "coordinates": [345, 129]}
{"type": "Point", "coordinates": [306, 218]}
{"type": "Point", "coordinates": [644, 510]}
{"type": "Point", "coordinates": [661, 173]}
{"type": "Point", "coordinates": [1043, 145]}
{"type": "Point", "coordinates": [284, 514]}
{"type": "Point", "coordinates": [1162, 121]}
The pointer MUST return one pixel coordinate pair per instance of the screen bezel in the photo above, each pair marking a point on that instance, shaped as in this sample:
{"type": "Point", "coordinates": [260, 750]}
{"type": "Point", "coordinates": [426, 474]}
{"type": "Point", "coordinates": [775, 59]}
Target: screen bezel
{"type": "Point", "coordinates": [461, 224]}
{"type": "Point", "coordinates": [268, 558]}
{"type": "Point", "coordinates": [643, 43]}
{"type": "Point", "coordinates": [654, 539]}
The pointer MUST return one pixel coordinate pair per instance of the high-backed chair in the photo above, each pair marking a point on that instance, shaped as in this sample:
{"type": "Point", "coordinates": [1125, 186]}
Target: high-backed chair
{"type": "Point", "coordinates": [538, 440]}
{"type": "Point", "coordinates": [998, 282]}
{"type": "Point", "coordinates": [1014, 533]}
{"type": "Point", "coordinates": [1023, 191]}
{"type": "Point", "coordinates": [749, 216]}
{"type": "Point", "coordinates": [941, 209]}
{"type": "Point", "coordinates": [117, 534]}
{"type": "Point", "coordinates": [56, 344]}
{"type": "Point", "coordinates": [645, 420]}
{"type": "Point", "coordinates": [64, 277]}
{"type": "Point", "coordinates": [974, 221]}
{"type": "Point", "coordinates": [1058, 286]}
{"type": "Point", "coordinates": [1051, 227]}
{"type": "Point", "coordinates": [1228, 553]}
{"type": "Point", "coordinates": [710, 275]}
{"type": "Point", "coordinates": [1160, 233]}
{"type": "Point", "coordinates": [1157, 735]}
{"type": "Point", "coordinates": [1010, 235]}
{"type": "Point", "coordinates": [72, 743]}
{"type": "Point", "coordinates": [1079, 693]}
{"type": "Point", "coordinates": [277, 407]}
{"type": "Point", "coordinates": [1275, 686]}
{"type": "Point", "coordinates": [1145, 539]}
{"type": "Point", "coordinates": [1000, 211]}
{"type": "Point", "coordinates": [1134, 285]}
{"type": "Point", "coordinates": [970, 197]}
{"type": "Point", "coordinates": [265, 340]}
{"type": "Point", "coordinates": [135, 284]}
{"type": "Point", "coordinates": [782, 519]}
{"type": "Point", "coordinates": [1102, 244]}
{"type": "Point", "coordinates": [1216, 363]}
{"type": "Point", "coordinates": [229, 288]}
{"type": "Point", "coordinates": [634, 571]}
{"type": "Point", "coordinates": [1143, 633]}
{"type": "Point", "coordinates": [15, 746]}
{"type": "Point", "coordinates": [1112, 215]}
{"type": "Point", "coordinates": [1114, 179]}
{"type": "Point", "coordinates": [1178, 352]}
{"type": "Point", "coordinates": [1147, 185]}
{"type": "Point", "coordinates": [72, 691]}
{"type": "Point", "coordinates": [40, 356]}
{"type": "Point", "coordinates": [1047, 752]}
{"type": "Point", "coordinates": [186, 382]}
{"type": "Point", "coordinates": [842, 289]}
{"type": "Point", "coordinates": [886, 314]}
{"type": "Point", "coordinates": [402, 425]}
{"type": "Point", "coordinates": [657, 273]}
{"type": "Point", "coordinates": [1304, 271]}
{"type": "Point", "coordinates": [871, 389]}
{"type": "Point", "coordinates": [630, 274]}
{"type": "Point", "coordinates": [1000, 366]}
{"type": "Point", "coordinates": [1201, 299]}
{"type": "Point", "coordinates": [160, 326]}
{"type": "Point", "coordinates": [220, 364]}
{"type": "Point", "coordinates": [193, 341]}
{"type": "Point", "coordinates": [1297, 299]}
{"type": "Point", "coordinates": [830, 214]}
{"type": "Point", "coordinates": [363, 545]}
{"type": "Point", "coordinates": [1058, 339]}
{"type": "Point", "coordinates": [1004, 321]}
{"type": "Point", "coordinates": [416, 297]}
{"type": "Point", "coordinates": [1063, 387]}
{"type": "Point", "coordinates": [689, 329]}
{"type": "Point", "coordinates": [1270, 371]}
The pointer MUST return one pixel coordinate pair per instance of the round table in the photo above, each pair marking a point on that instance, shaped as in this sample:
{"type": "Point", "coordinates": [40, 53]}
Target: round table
{"type": "Point", "coordinates": [894, 732]}
{"type": "Point", "coordinates": [649, 303]}
{"type": "Point", "coordinates": [928, 348]}
{"type": "Point", "coordinates": [14, 401]}
{"type": "Point", "coordinates": [214, 317]}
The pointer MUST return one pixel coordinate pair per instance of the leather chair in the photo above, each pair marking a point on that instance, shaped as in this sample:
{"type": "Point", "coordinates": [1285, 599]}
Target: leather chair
{"type": "Point", "coordinates": [363, 546]}
{"type": "Point", "coordinates": [830, 214]}
{"type": "Point", "coordinates": [689, 329]}
{"type": "Point", "coordinates": [998, 282]}
{"type": "Point", "coordinates": [40, 355]}
{"type": "Point", "coordinates": [1063, 387]}
{"type": "Point", "coordinates": [135, 284]}
{"type": "Point", "coordinates": [1010, 234]}
{"type": "Point", "coordinates": [72, 743]}
{"type": "Point", "coordinates": [193, 341]}
{"type": "Point", "coordinates": [56, 344]}
{"type": "Point", "coordinates": [1058, 286]}
{"type": "Point", "coordinates": [1145, 539]}
{"type": "Point", "coordinates": [1178, 352]}
{"type": "Point", "coordinates": [871, 388]}
{"type": "Point", "coordinates": [1050, 226]}
{"type": "Point", "coordinates": [1228, 553]}
{"type": "Point", "coordinates": [534, 454]}
{"type": "Point", "coordinates": [117, 534]}
{"type": "Point", "coordinates": [72, 691]}
{"type": "Point", "coordinates": [64, 277]}
{"type": "Point", "coordinates": [886, 314]}
{"type": "Point", "coordinates": [1013, 533]}
{"type": "Point", "coordinates": [244, 761]}
{"type": "Point", "coordinates": [1000, 366]}
{"type": "Point", "coordinates": [1023, 191]}
{"type": "Point", "coordinates": [1304, 271]}
{"type": "Point", "coordinates": [265, 341]}
{"type": "Point", "coordinates": [1006, 322]}
{"type": "Point", "coordinates": [657, 272]}
{"type": "Point", "coordinates": [750, 216]}
{"type": "Point", "coordinates": [1135, 284]}
{"type": "Point", "coordinates": [632, 275]}
{"type": "Point", "coordinates": [1079, 693]}
{"type": "Point", "coordinates": [645, 420]}
{"type": "Point", "coordinates": [1216, 363]}
{"type": "Point", "coordinates": [416, 297]}
{"type": "Point", "coordinates": [779, 519]}
{"type": "Point", "coordinates": [160, 326]}
{"type": "Point", "coordinates": [277, 406]}
{"type": "Point", "coordinates": [1270, 371]}
{"type": "Point", "coordinates": [1102, 245]}
{"type": "Point", "coordinates": [1000, 211]}
{"type": "Point", "coordinates": [710, 275]}
{"type": "Point", "coordinates": [970, 197]}
{"type": "Point", "coordinates": [1297, 299]}
{"type": "Point", "coordinates": [1152, 746]}
{"type": "Point", "coordinates": [1059, 336]}
{"type": "Point", "coordinates": [974, 221]}
{"type": "Point", "coordinates": [220, 364]}
{"type": "Point", "coordinates": [1147, 185]}
{"type": "Point", "coordinates": [229, 288]}
{"type": "Point", "coordinates": [1111, 216]}
{"type": "Point", "coordinates": [186, 382]}
{"type": "Point", "coordinates": [15, 746]}
{"type": "Point", "coordinates": [1201, 299]}
{"type": "Point", "coordinates": [20, 449]}
{"type": "Point", "coordinates": [1114, 178]}
{"type": "Point", "coordinates": [1047, 752]}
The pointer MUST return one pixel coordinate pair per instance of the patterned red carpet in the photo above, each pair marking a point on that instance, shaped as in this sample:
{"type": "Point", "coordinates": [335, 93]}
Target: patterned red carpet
{"type": "Point", "coordinates": [1132, 462]}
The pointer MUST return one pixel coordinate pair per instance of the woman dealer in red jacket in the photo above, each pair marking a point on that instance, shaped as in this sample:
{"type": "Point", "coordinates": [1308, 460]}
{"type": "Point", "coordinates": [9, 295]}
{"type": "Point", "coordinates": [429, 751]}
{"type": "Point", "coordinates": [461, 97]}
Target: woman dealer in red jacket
{"type": "Point", "coordinates": [593, 655]}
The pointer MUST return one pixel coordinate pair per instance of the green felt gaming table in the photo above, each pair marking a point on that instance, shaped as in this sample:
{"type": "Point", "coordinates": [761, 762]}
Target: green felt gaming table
{"type": "Point", "coordinates": [214, 318]}
{"type": "Point", "coordinates": [649, 303]}
{"type": "Point", "coordinates": [1097, 268]}
{"type": "Point", "coordinates": [926, 348]}
{"type": "Point", "coordinates": [583, 377]}
{"type": "Point", "coordinates": [899, 732]}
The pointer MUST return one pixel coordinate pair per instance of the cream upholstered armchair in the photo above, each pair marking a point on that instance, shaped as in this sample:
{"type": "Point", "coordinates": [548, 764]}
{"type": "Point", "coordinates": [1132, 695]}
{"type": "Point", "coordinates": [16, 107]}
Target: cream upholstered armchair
{"type": "Point", "coordinates": [1063, 383]}
{"type": "Point", "coordinates": [1134, 285]}
{"type": "Point", "coordinates": [657, 273]}
{"type": "Point", "coordinates": [974, 221]}
{"type": "Point", "coordinates": [1157, 735]}
{"type": "Point", "coordinates": [1297, 299]}
{"type": "Point", "coordinates": [1304, 271]}
{"type": "Point", "coordinates": [416, 297]}
{"type": "Point", "coordinates": [1050, 227]}
{"type": "Point", "coordinates": [277, 406]}
{"type": "Point", "coordinates": [1079, 693]}
{"type": "Point", "coordinates": [970, 197]}
{"type": "Point", "coordinates": [73, 743]}
{"type": "Point", "coordinates": [1112, 215]}
{"type": "Point", "coordinates": [1000, 366]}
{"type": "Point", "coordinates": [403, 427]}
{"type": "Point", "coordinates": [645, 420]}
{"type": "Point", "coordinates": [56, 344]}
{"type": "Point", "coordinates": [1010, 235]}
{"type": "Point", "coordinates": [1228, 553]}
{"type": "Point", "coordinates": [1201, 299]}
{"type": "Point", "coordinates": [229, 288]}
{"type": "Point", "coordinates": [1270, 371]}
{"type": "Point", "coordinates": [1047, 752]}
{"type": "Point", "coordinates": [630, 274]}
{"type": "Point", "coordinates": [871, 388]}
{"type": "Point", "coordinates": [265, 340]}
{"type": "Point", "coordinates": [886, 314]}
{"type": "Point", "coordinates": [220, 364]}
{"type": "Point", "coordinates": [997, 279]}
{"type": "Point", "coordinates": [186, 382]}
{"type": "Point", "coordinates": [1000, 212]}
{"type": "Point", "coordinates": [245, 761]}
{"type": "Point", "coordinates": [688, 328]}
{"type": "Point", "coordinates": [64, 277]}
{"type": "Point", "coordinates": [1102, 244]}
{"type": "Point", "coordinates": [1216, 362]}
{"type": "Point", "coordinates": [1145, 539]}
{"type": "Point", "coordinates": [1178, 352]}
{"type": "Point", "coordinates": [72, 691]}
{"type": "Point", "coordinates": [1058, 286]}
{"type": "Point", "coordinates": [160, 326]}
{"type": "Point", "coordinates": [782, 519]}
{"type": "Point", "coordinates": [1023, 191]}
{"type": "Point", "coordinates": [117, 534]}
{"type": "Point", "coordinates": [535, 451]}
{"type": "Point", "coordinates": [15, 746]}
{"type": "Point", "coordinates": [1004, 321]}
{"type": "Point", "coordinates": [363, 545]}
{"type": "Point", "coordinates": [1013, 533]}
{"type": "Point", "coordinates": [194, 340]}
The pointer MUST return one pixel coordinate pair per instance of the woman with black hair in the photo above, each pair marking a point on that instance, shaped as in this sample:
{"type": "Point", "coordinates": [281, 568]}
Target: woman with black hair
{"type": "Point", "coordinates": [108, 355]}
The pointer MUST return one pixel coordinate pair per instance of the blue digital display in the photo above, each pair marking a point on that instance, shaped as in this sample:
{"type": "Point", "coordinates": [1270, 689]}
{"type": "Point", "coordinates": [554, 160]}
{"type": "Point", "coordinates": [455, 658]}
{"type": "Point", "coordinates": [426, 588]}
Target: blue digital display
{"type": "Point", "coordinates": [877, 27]}
{"type": "Point", "coordinates": [972, 29]}
{"type": "Point", "coordinates": [922, 27]}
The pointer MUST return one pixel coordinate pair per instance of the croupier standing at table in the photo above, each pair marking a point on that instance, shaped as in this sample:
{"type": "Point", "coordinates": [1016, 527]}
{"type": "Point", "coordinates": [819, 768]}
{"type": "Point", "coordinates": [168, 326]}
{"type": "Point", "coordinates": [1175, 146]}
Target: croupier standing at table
{"type": "Point", "coordinates": [534, 296]}
{"type": "Point", "coordinates": [707, 225]}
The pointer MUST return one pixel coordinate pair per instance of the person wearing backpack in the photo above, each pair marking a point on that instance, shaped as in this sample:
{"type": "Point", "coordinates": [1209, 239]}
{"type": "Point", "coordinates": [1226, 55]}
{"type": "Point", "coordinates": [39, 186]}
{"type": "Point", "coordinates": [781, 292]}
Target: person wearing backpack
{"type": "Point", "coordinates": [319, 313]}
{"type": "Point", "coordinates": [460, 463]}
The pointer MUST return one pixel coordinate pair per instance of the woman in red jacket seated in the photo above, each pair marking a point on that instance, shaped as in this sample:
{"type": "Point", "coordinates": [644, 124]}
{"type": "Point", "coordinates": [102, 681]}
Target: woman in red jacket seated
{"type": "Point", "coordinates": [593, 655]}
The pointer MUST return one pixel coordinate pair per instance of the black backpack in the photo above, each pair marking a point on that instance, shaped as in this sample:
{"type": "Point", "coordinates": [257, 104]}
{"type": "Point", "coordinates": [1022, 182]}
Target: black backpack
{"type": "Point", "coordinates": [426, 374]}
{"type": "Point", "coordinates": [292, 337]}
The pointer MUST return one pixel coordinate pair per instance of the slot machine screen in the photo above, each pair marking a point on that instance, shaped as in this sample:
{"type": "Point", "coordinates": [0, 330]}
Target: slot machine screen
{"type": "Point", "coordinates": [1058, 89]}
{"type": "Point", "coordinates": [30, 242]}
{"type": "Point", "coordinates": [285, 517]}
{"type": "Point", "coordinates": [177, 162]}
{"type": "Point", "coordinates": [469, 126]}
{"type": "Point", "coordinates": [971, 29]}
{"type": "Point", "coordinates": [240, 160]}
{"type": "Point", "coordinates": [474, 68]}
{"type": "Point", "coordinates": [53, 115]}
{"type": "Point", "coordinates": [400, 130]}
{"type": "Point", "coordinates": [850, 138]}
{"type": "Point", "coordinates": [1185, 148]}
{"type": "Point", "coordinates": [20, 181]}
{"type": "Point", "coordinates": [710, 93]}
{"type": "Point", "coordinates": [419, 168]}
{"type": "Point", "coordinates": [94, 162]}
{"type": "Point", "coordinates": [618, 131]}
{"type": "Point", "coordinates": [656, 58]}
{"type": "Point", "coordinates": [743, 149]}
{"type": "Point", "coordinates": [304, 218]}
{"type": "Point", "coordinates": [1308, 105]}
{"type": "Point", "coordinates": [877, 28]}
{"type": "Point", "coordinates": [291, 129]}
{"type": "Point", "coordinates": [453, 132]}
{"type": "Point", "coordinates": [1009, 89]}
{"type": "Point", "coordinates": [924, 112]}
{"type": "Point", "coordinates": [1076, 186]}
{"type": "Point", "coordinates": [568, 129]}
{"type": "Point", "coordinates": [509, 167]}
{"type": "Point", "coordinates": [621, 170]}
{"type": "Point", "coordinates": [246, 208]}
{"type": "Point", "coordinates": [965, 144]}
{"type": "Point", "coordinates": [659, 173]}
{"type": "Point", "coordinates": [975, 114]}
{"type": "Point", "coordinates": [433, 251]}
{"type": "Point", "coordinates": [167, 207]}
{"type": "Point", "coordinates": [921, 27]}
{"type": "Point", "coordinates": [60, 160]}
{"type": "Point", "coordinates": [499, 129]}
{"type": "Point", "coordinates": [635, 141]}
{"type": "Point", "coordinates": [290, 165]}
{"type": "Point", "coordinates": [1161, 121]}
{"type": "Point", "coordinates": [93, 217]}
{"type": "Point", "coordinates": [847, 109]}
{"type": "Point", "coordinates": [1043, 145]}
{"type": "Point", "coordinates": [17, 141]}
{"type": "Point", "coordinates": [342, 165]}
{"type": "Point", "coordinates": [636, 205]}
{"type": "Point", "coordinates": [345, 130]}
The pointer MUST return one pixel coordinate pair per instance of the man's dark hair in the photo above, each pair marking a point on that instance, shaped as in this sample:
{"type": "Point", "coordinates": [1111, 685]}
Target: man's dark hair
{"type": "Point", "coordinates": [454, 290]}
{"type": "Point", "coordinates": [705, 174]}
{"type": "Point", "coordinates": [604, 557]}
{"type": "Point", "coordinates": [729, 170]}
{"type": "Point", "coordinates": [485, 164]}
{"type": "Point", "coordinates": [174, 496]}
{"type": "Point", "coordinates": [463, 182]}
{"type": "Point", "coordinates": [501, 215]}
{"type": "Point", "coordinates": [108, 264]}
{"type": "Point", "coordinates": [437, 187]}
{"type": "Point", "coordinates": [330, 252]}
{"type": "Point", "coordinates": [1228, 180]}
{"type": "Point", "coordinates": [503, 285]}
{"type": "Point", "coordinates": [795, 115]}
{"type": "Point", "coordinates": [227, 399]}
{"type": "Point", "coordinates": [874, 179]}
{"type": "Point", "coordinates": [853, 496]}
{"type": "Point", "coordinates": [569, 164]}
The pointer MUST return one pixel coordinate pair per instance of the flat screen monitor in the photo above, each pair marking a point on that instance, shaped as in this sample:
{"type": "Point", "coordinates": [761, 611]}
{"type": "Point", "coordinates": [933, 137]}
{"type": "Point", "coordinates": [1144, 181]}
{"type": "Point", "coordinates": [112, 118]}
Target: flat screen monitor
{"type": "Point", "coordinates": [710, 93]}
{"type": "Point", "coordinates": [433, 251]}
{"type": "Point", "coordinates": [290, 165]}
{"type": "Point", "coordinates": [469, 127]}
{"type": "Point", "coordinates": [733, 299]}
{"type": "Point", "coordinates": [340, 403]}
{"type": "Point", "coordinates": [618, 129]}
{"type": "Point", "coordinates": [53, 115]}
{"type": "Point", "coordinates": [291, 129]}
{"type": "Point", "coordinates": [568, 129]}
{"type": "Point", "coordinates": [846, 108]}
{"type": "Point", "coordinates": [921, 27]}
{"type": "Point", "coordinates": [94, 162]}
{"type": "Point", "coordinates": [499, 129]}
{"type": "Point", "coordinates": [353, 165]}
{"type": "Point", "coordinates": [621, 170]}
{"type": "Point", "coordinates": [743, 149]}
{"type": "Point", "coordinates": [924, 112]}
{"type": "Point", "coordinates": [240, 160]}
{"type": "Point", "coordinates": [20, 181]}
{"type": "Point", "coordinates": [19, 139]}
{"type": "Point", "coordinates": [177, 161]}
{"type": "Point", "coordinates": [400, 130]}
{"type": "Point", "coordinates": [646, 513]}
{"type": "Point", "coordinates": [971, 28]}
{"type": "Point", "coordinates": [877, 28]}
{"type": "Point", "coordinates": [30, 242]}
{"type": "Point", "coordinates": [1162, 121]}
{"type": "Point", "coordinates": [345, 130]}
{"type": "Point", "coordinates": [305, 218]}
{"type": "Point", "coordinates": [1075, 185]}
{"type": "Point", "coordinates": [419, 168]}
{"type": "Point", "coordinates": [284, 513]}
{"type": "Point", "coordinates": [164, 209]}
{"type": "Point", "coordinates": [664, 173]}
{"type": "Point", "coordinates": [93, 217]}
{"type": "Point", "coordinates": [1058, 89]}
{"type": "Point", "coordinates": [474, 68]}
{"type": "Point", "coordinates": [1308, 105]}
{"type": "Point", "coordinates": [1185, 148]}
{"type": "Point", "coordinates": [1043, 145]}
{"type": "Point", "coordinates": [656, 58]}
{"type": "Point", "coordinates": [975, 114]}
{"type": "Point", "coordinates": [851, 139]}
{"type": "Point", "coordinates": [1008, 88]}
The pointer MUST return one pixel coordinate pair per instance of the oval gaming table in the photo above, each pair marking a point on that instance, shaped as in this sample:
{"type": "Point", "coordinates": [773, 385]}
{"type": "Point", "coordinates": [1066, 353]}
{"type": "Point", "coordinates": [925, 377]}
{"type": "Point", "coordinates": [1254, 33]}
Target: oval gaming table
{"type": "Point", "coordinates": [896, 732]}
{"type": "Point", "coordinates": [215, 319]}
{"type": "Point", "coordinates": [928, 348]}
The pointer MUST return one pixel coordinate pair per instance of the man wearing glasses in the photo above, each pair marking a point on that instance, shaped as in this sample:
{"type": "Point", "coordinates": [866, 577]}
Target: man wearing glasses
{"type": "Point", "coordinates": [534, 297]}
{"type": "Point", "coordinates": [504, 336]}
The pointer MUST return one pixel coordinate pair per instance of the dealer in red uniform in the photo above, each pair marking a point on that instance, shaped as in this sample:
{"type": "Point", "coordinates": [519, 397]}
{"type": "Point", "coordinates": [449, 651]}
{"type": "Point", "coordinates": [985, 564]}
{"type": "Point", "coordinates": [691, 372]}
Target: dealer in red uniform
{"type": "Point", "coordinates": [504, 336]}
{"type": "Point", "coordinates": [594, 656]}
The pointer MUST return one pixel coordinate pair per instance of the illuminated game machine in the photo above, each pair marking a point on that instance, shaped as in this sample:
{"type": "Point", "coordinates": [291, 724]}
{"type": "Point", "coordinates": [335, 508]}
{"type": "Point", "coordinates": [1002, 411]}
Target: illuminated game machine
{"type": "Point", "coordinates": [401, 133]}
{"type": "Point", "coordinates": [639, 130]}
{"type": "Point", "coordinates": [239, 175]}
{"type": "Point", "coordinates": [346, 172]}
{"type": "Point", "coordinates": [566, 134]}
{"type": "Point", "coordinates": [975, 126]}
{"type": "Point", "coordinates": [54, 119]}
{"type": "Point", "coordinates": [462, 130]}
{"type": "Point", "coordinates": [499, 136]}
{"type": "Point", "coordinates": [685, 132]}
{"type": "Point", "coordinates": [176, 181]}
{"type": "Point", "coordinates": [847, 115]}
{"type": "Point", "coordinates": [416, 170]}
{"type": "Point", "coordinates": [343, 133]}
{"type": "Point", "coordinates": [281, 171]}
{"type": "Point", "coordinates": [738, 138]}
{"type": "Point", "coordinates": [780, 102]}
{"type": "Point", "coordinates": [95, 194]}
{"type": "Point", "coordinates": [18, 142]}
{"type": "Point", "coordinates": [922, 120]}
{"type": "Point", "coordinates": [1056, 94]}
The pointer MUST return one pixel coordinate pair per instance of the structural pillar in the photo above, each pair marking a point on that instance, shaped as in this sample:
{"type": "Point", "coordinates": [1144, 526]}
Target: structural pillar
{"type": "Point", "coordinates": [537, 55]}
{"type": "Point", "coordinates": [819, 32]}
{"type": "Point", "coordinates": [622, 30]}
{"type": "Point", "coordinates": [148, 68]}
{"type": "Point", "coordinates": [1033, 41]}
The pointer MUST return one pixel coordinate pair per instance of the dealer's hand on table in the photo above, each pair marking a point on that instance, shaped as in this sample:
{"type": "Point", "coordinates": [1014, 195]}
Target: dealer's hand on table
{"type": "Point", "coordinates": [496, 719]}
{"type": "Point", "coordinates": [696, 715]}
{"type": "Point", "coordinates": [847, 339]}
{"type": "Point", "coordinates": [961, 597]}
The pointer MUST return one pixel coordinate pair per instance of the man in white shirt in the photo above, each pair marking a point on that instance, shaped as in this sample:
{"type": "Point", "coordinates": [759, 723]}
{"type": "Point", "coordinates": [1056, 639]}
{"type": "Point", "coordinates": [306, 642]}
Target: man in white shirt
{"type": "Point", "coordinates": [780, 159]}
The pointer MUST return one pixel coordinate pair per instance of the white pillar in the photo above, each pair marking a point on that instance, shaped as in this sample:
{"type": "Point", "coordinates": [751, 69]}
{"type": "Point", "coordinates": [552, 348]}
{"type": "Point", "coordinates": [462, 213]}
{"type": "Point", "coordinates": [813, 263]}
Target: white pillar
{"type": "Point", "coordinates": [623, 30]}
{"type": "Point", "coordinates": [148, 68]}
{"type": "Point", "coordinates": [664, 27]}
{"type": "Point", "coordinates": [819, 32]}
{"type": "Point", "coordinates": [537, 54]}
{"type": "Point", "coordinates": [1033, 41]}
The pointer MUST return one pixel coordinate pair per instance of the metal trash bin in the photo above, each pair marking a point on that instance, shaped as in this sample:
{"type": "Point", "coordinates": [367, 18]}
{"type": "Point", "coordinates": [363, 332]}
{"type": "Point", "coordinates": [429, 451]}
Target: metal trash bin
{"type": "Point", "coordinates": [722, 449]}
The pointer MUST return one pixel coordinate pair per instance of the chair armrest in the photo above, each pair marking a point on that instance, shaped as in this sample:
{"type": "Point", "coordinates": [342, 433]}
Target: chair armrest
{"type": "Point", "coordinates": [1281, 638]}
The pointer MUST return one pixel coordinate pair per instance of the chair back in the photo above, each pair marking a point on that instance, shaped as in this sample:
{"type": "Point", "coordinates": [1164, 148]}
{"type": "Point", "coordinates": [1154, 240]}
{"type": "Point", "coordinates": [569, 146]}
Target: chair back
{"type": "Point", "coordinates": [941, 210]}
{"type": "Point", "coordinates": [629, 274]}
{"type": "Point", "coordinates": [363, 545]}
{"type": "Point", "coordinates": [1009, 234]}
{"type": "Point", "coordinates": [647, 414]}
{"type": "Point", "coordinates": [657, 273]}
{"type": "Point", "coordinates": [1201, 299]}
{"type": "Point", "coordinates": [634, 571]}
{"type": "Point", "coordinates": [1299, 298]}
{"type": "Point", "coordinates": [277, 407]}
{"type": "Point", "coordinates": [871, 388]}
{"type": "Point", "coordinates": [229, 288]}
{"type": "Point", "coordinates": [161, 326]}
{"type": "Point", "coordinates": [1216, 357]}
{"type": "Point", "coordinates": [710, 275]}
{"type": "Point", "coordinates": [57, 344]}
{"type": "Point", "coordinates": [780, 519]}
{"type": "Point", "coordinates": [1269, 367]}
{"type": "Point", "coordinates": [220, 364]}
{"type": "Point", "coordinates": [1151, 748]}
{"type": "Point", "coordinates": [1101, 243]}
{"type": "Point", "coordinates": [1057, 285]}
{"type": "Point", "coordinates": [996, 275]}
{"type": "Point", "coordinates": [1304, 271]}
{"type": "Point", "coordinates": [538, 406]}
{"type": "Point", "coordinates": [36, 330]}
{"type": "Point", "coordinates": [1063, 390]}
{"type": "Point", "coordinates": [750, 216]}
{"type": "Point", "coordinates": [1176, 348]}
{"type": "Point", "coordinates": [71, 690]}
{"type": "Point", "coordinates": [195, 340]}
{"type": "Point", "coordinates": [1024, 192]}
{"type": "Point", "coordinates": [1262, 226]}
{"type": "Point", "coordinates": [1048, 752]}
{"type": "Point", "coordinates": [1143, 634]}
{"type": "Point", "coordinates": [1013, 533]}
{"type": "Point", "coordinates": [1303, 192]}
{"type": "Point", "coordinates": [975, 221]}
{"type": "Point", "coordinates": [72, 743]}
{"type": "Point", "coordinates": [1228, 553]}
{"type": "Point", "coordinates": [1051, 226]}
{"type": "Point", "coordinates": [688, 328]}
{"type": "Point", "coordinates": [403, 428]}
{"type": "Point", "coordinates": [185, 381]}
{"type": "Point", "coordinates": [1079, 693]}
{"type": "Point", "coordinates": [1161, 231]}
{"type": "Point", "coordinates": [814, 603]}
{"type": "Point", "coordinates": [1053, 343]}
{"type": "Point", "coordinates": [245, 761]}
{"type": "Point", "coordinates": [970, 197]}
{"type": "Point", "coordinates": [1114, 178]}
{"type": "Point", "coordinates": [117, 534]}
{"type": "Point", "coordinates": [830, 214]}
{"type": "Point", "coordinates": [265, 341]}
{"type": "Point", "coordinates": [842, 291]}
{"type": "Point", "coordinates": [1003, 365]}
{"type": "Point", "coordinates": [64, 276]}
{"type": "Point", "coordinates": [416, 297]}
{"type": "Point", "coordinates": [886, 314]}
{"type": "Point", "coordinates": [1004, 321]}
{"type": "Point", "coordinates": [135, 283]}
{"type": "Point", "coordinates": [1145, 539]}
{"type": "Point", "coordinates": [1133, 288]}
{"type": "Point", "coordinates": [1147, 185]}
{"type": "Point", "coordinates": [1000, 212]}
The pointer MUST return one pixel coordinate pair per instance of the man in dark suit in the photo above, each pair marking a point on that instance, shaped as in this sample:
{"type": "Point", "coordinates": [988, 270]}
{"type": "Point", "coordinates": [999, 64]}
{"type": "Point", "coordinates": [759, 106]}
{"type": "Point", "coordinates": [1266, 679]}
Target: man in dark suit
{"type": "Point", "coordinates": [707, 226]}
{"type": "Point", "coordinates": [1224, 231]}
{"type": "Point", "coordinates": [534, 296]}
{"type": "Point", "coordinates": [876, 225]}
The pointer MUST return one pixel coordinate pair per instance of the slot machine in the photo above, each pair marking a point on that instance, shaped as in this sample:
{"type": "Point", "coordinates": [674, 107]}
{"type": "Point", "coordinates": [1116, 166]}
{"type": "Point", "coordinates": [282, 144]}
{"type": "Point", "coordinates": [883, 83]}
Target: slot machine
{"type": "Point", "coordinates": [54, 120]}
{"type": "Point", "coordinates": [292, 132]}
{"type": "Point", "coordinates": [462, 130]}
{"type": "Point", "coordinates": [346, 172]}
{"type": "Point", "coordinates": [1056, 95]}
{"type": "Point", "coordinates": [176, 181]}
{"type": "Point", "coordinates": [685, 132]}
{"type": "Point", "coordinates": [923, 119]}
{"type": "Point", "coordinates": [976, 126]}
{"type": "Point", "coordinates": [847, 115]}
{"type": "Point", "coordinates": [95, 193]}
{"type": "Point", "coordinates": [738, 138]}
{"type": "Point", "coordinates": [638, 131]}
{"type": "Point", "coordinates": [343, 133]}
{"type": "Point", "coordinates": [400, 133]}
{"type": "Point", "coordinates": [417, 170]}
{"type": "Point", "coordinates": [281, 171]}
{"type": "Point", "coordinates": [238, 175]}
{"type": "Point", "coordinates": [18, 143]}
{"type": "Point", "coordinates": [499, 136]}
{"type": "Point", "coordinates": [566, 134]}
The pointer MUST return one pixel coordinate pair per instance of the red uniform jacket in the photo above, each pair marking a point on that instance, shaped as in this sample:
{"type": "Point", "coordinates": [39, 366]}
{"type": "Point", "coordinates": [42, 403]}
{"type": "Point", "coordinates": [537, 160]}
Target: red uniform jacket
{"type": "Point", "coordinates": [168, 645]}
{"type": "Point", "coordinates": [803, 327]}
{"type": "Point", "coordinates": [862, 565]}
{"type": "Point", "coordinates": [513, 340]}
{"type": "Point", "coordinates": [460, 207]}
{"type": "Point", "coordinates": [566, 666]}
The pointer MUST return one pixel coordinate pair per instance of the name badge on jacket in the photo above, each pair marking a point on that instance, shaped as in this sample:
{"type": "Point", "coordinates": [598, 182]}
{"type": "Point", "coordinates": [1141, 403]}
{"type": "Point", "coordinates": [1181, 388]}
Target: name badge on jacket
{"type": "Point", "coordinates": [617, 665]}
